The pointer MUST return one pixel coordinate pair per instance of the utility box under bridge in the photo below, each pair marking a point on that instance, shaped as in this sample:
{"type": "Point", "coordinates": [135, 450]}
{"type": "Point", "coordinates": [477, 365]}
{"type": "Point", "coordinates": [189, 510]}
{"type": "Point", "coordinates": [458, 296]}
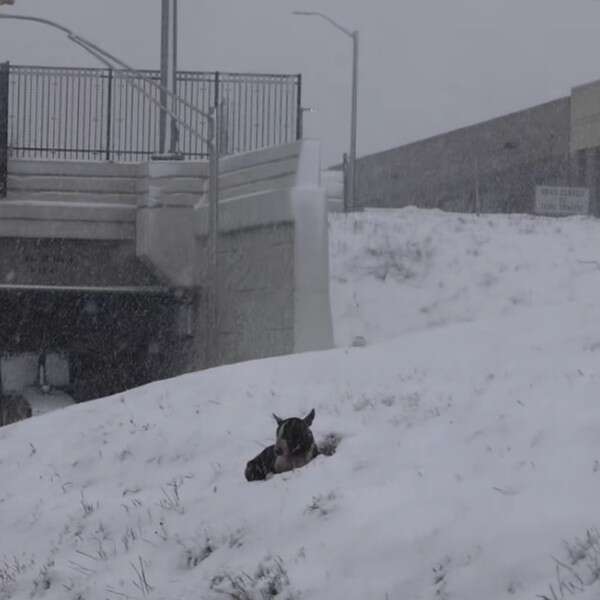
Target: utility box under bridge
{"type": "Point", "coordinates": [103, 248]}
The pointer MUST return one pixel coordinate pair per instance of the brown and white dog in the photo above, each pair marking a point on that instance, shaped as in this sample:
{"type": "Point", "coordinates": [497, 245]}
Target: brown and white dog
{"type": "Point", "coordinates": [294, 447]}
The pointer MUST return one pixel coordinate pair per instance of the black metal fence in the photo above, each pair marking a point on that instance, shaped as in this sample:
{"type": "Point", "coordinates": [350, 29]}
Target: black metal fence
{"type": "Point", "coordinates": [103, 114]}
{"type": "Point", "coordinates": [3, 127]}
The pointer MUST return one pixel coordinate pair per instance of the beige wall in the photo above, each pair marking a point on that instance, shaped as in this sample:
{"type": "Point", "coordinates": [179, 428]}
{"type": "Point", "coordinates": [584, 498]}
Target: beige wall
{"type": "Point", "coordinates": [585, 116]}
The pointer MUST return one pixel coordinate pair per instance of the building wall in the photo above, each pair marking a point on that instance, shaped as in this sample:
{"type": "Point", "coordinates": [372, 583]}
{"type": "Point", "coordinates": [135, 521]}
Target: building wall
{"type": "Point", "coordinates": [508, 156]}
{"type": "Point", "coordinates": [585, 116]}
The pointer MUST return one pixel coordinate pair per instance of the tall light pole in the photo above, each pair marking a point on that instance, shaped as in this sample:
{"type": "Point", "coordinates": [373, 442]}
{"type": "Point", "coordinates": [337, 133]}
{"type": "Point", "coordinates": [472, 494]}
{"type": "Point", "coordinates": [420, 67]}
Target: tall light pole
{"type": "Point", "coordinates": [168, 137]}
{"type": "Point", "coordinates": [350, 196]}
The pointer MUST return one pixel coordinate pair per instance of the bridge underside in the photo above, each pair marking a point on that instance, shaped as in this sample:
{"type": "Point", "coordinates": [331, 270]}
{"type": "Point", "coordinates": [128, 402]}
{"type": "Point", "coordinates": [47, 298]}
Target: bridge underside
{"type": "Point", "coordinates": [111, 341]}
{"type": "Point", "coordinates": [104, 267]}
{"type": "Point", "coordinates": [92, 301]}
{"type": "Point", "coordinates": [73, 263]}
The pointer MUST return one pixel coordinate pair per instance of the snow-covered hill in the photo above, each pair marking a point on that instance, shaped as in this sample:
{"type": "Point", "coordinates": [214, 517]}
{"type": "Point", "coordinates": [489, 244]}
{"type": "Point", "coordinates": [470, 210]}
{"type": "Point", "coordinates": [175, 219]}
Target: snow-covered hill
{"type": "Point", "coordinates": [468, 465]}
{"type": "Point", "coordinates": [407, 270]}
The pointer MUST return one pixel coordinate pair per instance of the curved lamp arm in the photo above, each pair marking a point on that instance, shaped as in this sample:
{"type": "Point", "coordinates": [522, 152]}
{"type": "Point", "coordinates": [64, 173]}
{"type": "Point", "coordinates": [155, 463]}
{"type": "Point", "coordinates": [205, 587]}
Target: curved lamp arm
{"type": "Point", "coordinates": [109, 60]}
{"type": "Point", "coordinates": [312, 13]}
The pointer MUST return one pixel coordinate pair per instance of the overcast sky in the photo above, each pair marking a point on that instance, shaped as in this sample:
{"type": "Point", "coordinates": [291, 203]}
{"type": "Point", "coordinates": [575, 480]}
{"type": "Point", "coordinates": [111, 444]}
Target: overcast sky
{"type": "Point", "coordinates": [426, 66]}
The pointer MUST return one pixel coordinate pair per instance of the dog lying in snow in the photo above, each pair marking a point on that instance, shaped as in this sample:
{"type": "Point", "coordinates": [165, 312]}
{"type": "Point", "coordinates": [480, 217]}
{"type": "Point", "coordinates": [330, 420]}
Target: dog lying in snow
{"type": "Point", "coordinates": [294, 447]}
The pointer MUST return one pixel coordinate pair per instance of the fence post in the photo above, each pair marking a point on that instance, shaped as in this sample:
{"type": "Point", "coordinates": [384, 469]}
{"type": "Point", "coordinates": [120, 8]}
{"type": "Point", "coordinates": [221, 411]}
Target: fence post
{"type": "Point", "coordinates": [4, 88]}
{"type": "Point", "coordinates": [345, 180]}
{"type": "Point", "coordinates": [299, 114]}
{"type": "Point", "coordinates": [217, 97]}
{"type": "Point", "coordinates": [212, 312]}
{"type": "Point", "coordinates": [109, 114]}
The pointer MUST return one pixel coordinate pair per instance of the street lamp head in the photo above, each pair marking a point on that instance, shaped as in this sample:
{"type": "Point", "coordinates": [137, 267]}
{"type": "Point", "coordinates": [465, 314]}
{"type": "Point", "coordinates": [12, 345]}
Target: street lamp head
{"type": "Point", "coordinates": [302, 13]}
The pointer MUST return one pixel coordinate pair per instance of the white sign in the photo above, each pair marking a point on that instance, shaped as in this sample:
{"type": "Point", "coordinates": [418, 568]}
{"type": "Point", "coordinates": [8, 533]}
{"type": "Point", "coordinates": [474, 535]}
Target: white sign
{"type": "Point", "coordinates": [560, 201]}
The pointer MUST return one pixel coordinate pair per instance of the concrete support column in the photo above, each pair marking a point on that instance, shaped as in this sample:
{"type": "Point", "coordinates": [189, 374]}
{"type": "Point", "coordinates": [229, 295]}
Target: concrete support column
{"type": "Point", "coordinates": [313, 323]}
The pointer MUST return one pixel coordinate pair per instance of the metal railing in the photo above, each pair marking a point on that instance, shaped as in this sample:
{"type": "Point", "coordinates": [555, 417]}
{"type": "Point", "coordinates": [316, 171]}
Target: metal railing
{"type": "Point", "coordinates": [3, 128]}
{"type": "Point", "coordinates": [97, 114]}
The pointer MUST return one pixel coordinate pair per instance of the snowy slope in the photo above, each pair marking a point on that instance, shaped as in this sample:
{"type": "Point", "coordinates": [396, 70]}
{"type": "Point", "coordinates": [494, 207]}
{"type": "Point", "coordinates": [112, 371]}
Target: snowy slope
{"type": "Point", "coordinates": [469, 453]}
{"type": "Point", "coordinates": [405, 270]}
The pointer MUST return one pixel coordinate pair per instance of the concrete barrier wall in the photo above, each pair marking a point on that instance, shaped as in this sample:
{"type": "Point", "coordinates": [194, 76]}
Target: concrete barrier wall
{"type": "Point", "coordinates": [273, 254]}
{"type": "Point", "coordinates": [71, 200]}
{"type": "Point", "coordinates": [273, 291]}
{"type": "Point", "coordinates": [167, 198]}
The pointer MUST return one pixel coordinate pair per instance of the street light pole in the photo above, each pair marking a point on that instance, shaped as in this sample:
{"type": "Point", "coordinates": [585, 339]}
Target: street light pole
{"type": "Point", "coordinates": [353, 120]}
{"type": "Point", "coordinates": [350, 200]}
{"type": "Point", "coordinates": [168, 136]}
{"type": "Point", "coordinates": [477, 188]}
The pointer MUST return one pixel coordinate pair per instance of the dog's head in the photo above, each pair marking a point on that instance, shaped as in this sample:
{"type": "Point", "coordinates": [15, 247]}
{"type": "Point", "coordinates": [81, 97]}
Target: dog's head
{"type": "Point", "coordinates": [294, 436]}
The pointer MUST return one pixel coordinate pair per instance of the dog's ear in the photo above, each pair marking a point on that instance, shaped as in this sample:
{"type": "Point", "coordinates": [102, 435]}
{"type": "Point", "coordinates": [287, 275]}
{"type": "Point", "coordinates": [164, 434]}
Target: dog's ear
{"type": "Point", "coordinates": [279, 420]}
{"type": "Point", "coordinates": [309, 418]}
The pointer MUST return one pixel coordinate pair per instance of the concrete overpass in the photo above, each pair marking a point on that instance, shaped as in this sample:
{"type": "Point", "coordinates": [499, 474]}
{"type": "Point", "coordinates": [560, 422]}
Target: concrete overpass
{"type": "Point", "coordinates": [106, 263]}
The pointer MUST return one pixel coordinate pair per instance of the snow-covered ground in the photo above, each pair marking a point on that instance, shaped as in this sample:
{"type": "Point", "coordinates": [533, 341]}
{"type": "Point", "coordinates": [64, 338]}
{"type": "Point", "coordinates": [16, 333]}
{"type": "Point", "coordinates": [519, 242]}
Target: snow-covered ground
{"type": "Point", "coordinates": [399, 271]}
{"type": "Point", "coordinates": [469, 460]}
